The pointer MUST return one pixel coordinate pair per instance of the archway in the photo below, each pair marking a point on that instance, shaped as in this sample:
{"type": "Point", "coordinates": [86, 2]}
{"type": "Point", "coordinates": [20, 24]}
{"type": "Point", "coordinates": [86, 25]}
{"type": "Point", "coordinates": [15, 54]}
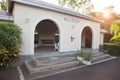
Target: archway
{"type": "Point", "coordinates": [86, 38]}
{"type": "Point", "coordinates": [46, 37]}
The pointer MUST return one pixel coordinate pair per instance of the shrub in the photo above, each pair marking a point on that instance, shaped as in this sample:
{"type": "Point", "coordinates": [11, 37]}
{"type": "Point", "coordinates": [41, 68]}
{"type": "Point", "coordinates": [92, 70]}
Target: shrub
{"type": "Point", "coordinates": [112, 48]}
{"type": "Point", "coordinates": [10, 43]}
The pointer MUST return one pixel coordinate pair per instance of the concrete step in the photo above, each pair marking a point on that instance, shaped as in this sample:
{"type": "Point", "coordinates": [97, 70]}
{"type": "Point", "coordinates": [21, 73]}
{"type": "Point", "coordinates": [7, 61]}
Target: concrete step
{"type": "Point", "coordinates": [37, 69]}
{"type": "Point", "coordinates": [97, 54]}
{"type": "Point", "coordinates": [101, 58]}
{"type": "Point", "coordinates": [48, 73]}
{"type": "Point", "coordinates": [45, 64]}
{"type": "Point", "coordinates": [46, 61]}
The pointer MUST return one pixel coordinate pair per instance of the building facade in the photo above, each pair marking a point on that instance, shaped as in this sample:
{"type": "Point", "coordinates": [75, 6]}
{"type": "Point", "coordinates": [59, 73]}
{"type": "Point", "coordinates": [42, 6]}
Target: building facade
{"type": "Point", "coordinates": [44, 24]}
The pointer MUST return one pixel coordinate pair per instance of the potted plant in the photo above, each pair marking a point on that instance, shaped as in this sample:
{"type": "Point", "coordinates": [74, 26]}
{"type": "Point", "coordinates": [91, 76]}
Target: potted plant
{"type": "Point", "coordinates": [87, 58]}
{"type": "Point", "coordinates": [84, 57]}
{"type": "Point", "coordinates": [79, 54]}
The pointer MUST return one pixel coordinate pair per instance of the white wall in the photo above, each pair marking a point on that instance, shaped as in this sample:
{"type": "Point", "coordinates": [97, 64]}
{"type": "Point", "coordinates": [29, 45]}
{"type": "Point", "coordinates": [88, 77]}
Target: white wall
{"type": "Point", "coordinates": [101, 38]}
{"type": "Point", "coordinates": [83, 39]}
{"type": "Point", "coordinates": [28, 17]}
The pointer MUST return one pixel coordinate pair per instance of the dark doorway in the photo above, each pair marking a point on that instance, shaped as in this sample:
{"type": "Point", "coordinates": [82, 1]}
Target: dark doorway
{"type": "Point", "coordinates": [45, 35]}
{"type": "Point", "coordinates": [86, 39]}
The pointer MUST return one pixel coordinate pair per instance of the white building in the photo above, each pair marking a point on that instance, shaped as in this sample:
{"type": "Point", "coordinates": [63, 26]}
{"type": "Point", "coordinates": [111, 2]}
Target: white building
{"type": "Point", "coordinates": [41, 23]}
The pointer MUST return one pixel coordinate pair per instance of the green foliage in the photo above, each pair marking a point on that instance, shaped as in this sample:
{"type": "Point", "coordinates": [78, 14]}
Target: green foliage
{"type": "Point", "coordinates": [80, 53]}
{"type": "Point", "coordinates": [115, 30]}
{"type": "Point", "coordinates": [10, 43]}
{"type": "Point", "coordinates": [88, 56]}
{"type": "Point", "coordinates": [84, 5]}
{"type": "Point", "coordinates": [85, 55]}
{"type": "Point", "coordinates": [116, 39]}
{"type": "Point", "coordinates": [112, 48]}
{"type": "Point", "coordinates": [4, 5]}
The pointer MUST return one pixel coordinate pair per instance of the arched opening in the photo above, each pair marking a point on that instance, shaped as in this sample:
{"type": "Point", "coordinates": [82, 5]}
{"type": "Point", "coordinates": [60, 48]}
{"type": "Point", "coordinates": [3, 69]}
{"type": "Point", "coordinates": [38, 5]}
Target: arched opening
{"type": "Point", "coordinates": [46, 37]}
{"type": "Point", "coordinates": [86, 38]}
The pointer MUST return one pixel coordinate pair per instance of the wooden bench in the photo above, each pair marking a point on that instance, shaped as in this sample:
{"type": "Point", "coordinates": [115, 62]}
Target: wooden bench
{"type": "Point", "coordinates": [47, 41]}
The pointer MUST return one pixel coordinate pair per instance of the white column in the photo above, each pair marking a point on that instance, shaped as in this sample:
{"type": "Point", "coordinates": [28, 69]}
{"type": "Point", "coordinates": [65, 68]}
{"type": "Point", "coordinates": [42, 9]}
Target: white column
{"type": "Point", "coordinates": [101, 38]}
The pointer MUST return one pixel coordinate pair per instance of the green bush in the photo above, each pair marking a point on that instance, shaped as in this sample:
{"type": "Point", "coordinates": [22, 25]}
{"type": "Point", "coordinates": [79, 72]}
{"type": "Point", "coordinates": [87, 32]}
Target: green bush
{"type": "Point", "coordinates": [112, 48]}
{"type": "Point", "coordinates": [10, 43]}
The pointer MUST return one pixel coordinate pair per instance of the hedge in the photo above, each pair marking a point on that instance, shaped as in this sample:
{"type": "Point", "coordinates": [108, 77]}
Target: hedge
{"type": "Point", "coordinates": [112, 48]}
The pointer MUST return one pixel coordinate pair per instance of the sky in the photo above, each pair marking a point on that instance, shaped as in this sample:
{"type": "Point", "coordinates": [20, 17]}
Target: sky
{"type": "Point", "coordinates": [99, 4]}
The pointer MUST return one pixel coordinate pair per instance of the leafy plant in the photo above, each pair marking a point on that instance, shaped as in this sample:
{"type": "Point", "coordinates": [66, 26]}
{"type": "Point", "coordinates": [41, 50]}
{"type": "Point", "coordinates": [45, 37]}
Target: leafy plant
{"type": "Point", "coordinates": [10, 43]}
{"type": "Point", "coordinates": [88, 56]}
{"type": "Point", "coordinates": [116, 39]}
{"type": "Point", "coordinates": [4, 5]}
{"type": "Point", "coordinates": [79, 53]}
{"type": "Point", "coordinates": [85, 55]}
{"type": "Point", "coordinates": [115, 31]}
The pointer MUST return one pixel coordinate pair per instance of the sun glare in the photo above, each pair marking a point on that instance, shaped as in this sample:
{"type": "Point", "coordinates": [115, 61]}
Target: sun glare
{"type": "Point", "coordinates": [101, 4]}
{"type": "Point", "coordinates": [106, 15]}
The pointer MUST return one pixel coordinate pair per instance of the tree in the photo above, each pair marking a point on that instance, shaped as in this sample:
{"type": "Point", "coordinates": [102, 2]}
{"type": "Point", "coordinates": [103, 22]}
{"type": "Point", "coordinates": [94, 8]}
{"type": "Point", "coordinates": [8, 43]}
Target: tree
{"type": "Point", "coordinates": [115, 31]}
{"type": "Point", "coordinates": [98, 15]}
{"type": "Point", "coordinates": [84, 6]}
{"type": "Point", "coordinates": [108, 16]}
{"type": "Point", "coordinates": [4, 5]}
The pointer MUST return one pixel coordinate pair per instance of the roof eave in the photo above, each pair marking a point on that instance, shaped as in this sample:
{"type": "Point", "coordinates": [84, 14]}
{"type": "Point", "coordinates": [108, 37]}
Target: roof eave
{"type": "Point", "coordinates": [58, 9]}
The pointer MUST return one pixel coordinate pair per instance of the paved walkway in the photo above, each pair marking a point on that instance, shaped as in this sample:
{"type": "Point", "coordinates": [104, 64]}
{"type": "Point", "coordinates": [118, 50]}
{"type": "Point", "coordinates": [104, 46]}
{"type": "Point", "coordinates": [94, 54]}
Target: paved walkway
{"type": "Point", "coordinates": [109, 70]}
{"type": "Point", "coordinates": [11, 74]}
